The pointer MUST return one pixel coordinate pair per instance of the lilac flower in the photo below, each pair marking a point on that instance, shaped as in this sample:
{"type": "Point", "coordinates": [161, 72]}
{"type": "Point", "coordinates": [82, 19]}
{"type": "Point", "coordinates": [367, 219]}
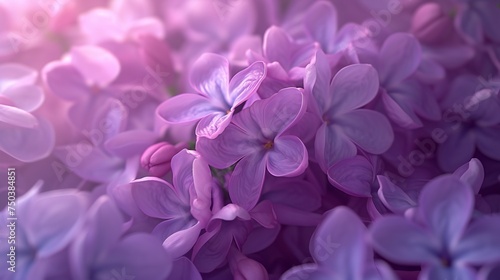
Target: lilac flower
{"type": "Point", "coordinates": [470, 120]}
{"type": "Point", "coordinates": [100, 251]}
{"type": "Point", "coordinates": [400, 199]}
{"type": "Point", "coordinates": [46, 225]}
{"type": "Point", "coordinates": [232, 226]}
{"type": "Point", "coordinates": [475, 20]}
{"type": "Point", "coordinates": [183, 207]}
{"type": "Point", "coordinates": [25, 137]}
{"type": "Point", "coordinates": [255, 139]}
{"type": "Point", "coordinates": [404, 100]}
{"type": "Point", "coordinates": [157, 158]}
{"type": "Point", "coordinates": [439, 236]}
{"type": "Point", "coordinates": [340, 252]}
{"type": "Point", "coordinates": [338, 103]}
{"type": "Point", "coordinates": [217, 96]}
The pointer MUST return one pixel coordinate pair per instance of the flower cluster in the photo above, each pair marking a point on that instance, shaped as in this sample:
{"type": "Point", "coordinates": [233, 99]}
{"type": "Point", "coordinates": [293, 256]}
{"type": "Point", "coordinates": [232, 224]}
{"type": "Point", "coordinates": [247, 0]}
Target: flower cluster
{"type": "Point", "coordinates": [251, 139]}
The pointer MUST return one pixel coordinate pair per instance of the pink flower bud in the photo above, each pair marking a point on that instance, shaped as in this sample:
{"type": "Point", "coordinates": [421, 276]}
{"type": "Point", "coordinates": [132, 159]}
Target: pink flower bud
{"type": "Point", "coordinates": [244, 268]}
{"type": "Point", "coordinates": [156, 159]}
{"type": "Point", "coordinates": [430, 24]}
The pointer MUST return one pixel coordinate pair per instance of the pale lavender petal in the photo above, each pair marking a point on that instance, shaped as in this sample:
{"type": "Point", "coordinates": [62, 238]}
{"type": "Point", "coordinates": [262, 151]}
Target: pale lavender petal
{"type": "Point", "coordinates": [185, 107]}
{"type": "Point", "coordinates": [213, 125]}
{"type": "Point", "coordinates": [455, 273]}
{"type": "Point", "coordinates": [180, 242]}
{"type": "Point", "coordinates": [446, 205]}
{"type": "Point", "coordinates": [27, 98]}
{"type": "Point", "coordinates": [288, 157]}
{"type": "Point", "coordinates": [245, 83]}
{"type": "Point", "coordinates": [28, 144]}
{"type": "Point", "coordinates": [130, 143]}
{"type": "Point", "coordinates": [403, 242]}
{"type": "Point", "coordinates": [480, 243]}
{"type": "Point", "coordinates": [401, 114]}
{"type": "Point", "coordinates": [353, 87]}
{"type": "Point", "coordinates": [471, 173]}
{"type": "Point", "coordinates": [274, 48]}
{"type": "Point", "coordinates": [210, 76]}
{"type": "Point", "coordinates": [17, 117]}
{"type": "Point", "coordinates": [321, 23]}
{"type": "Point", "coordinates": [98, 66]}
{"type": "Point", "coordinates": [53, 219]}
{"type": "Point", "coordinates": [317, 81]}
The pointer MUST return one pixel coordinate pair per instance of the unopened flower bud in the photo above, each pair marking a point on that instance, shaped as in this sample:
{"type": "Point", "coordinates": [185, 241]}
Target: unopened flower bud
{"type": "Point", "coordinates": [156, 159]}
{"type": "Point", "coordinates": [430, 24]}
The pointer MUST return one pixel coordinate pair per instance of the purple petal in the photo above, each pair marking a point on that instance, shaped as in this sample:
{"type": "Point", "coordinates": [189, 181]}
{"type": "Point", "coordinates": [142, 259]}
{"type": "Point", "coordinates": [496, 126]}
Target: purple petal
{"type": "Point", "coordinates": [17, 117]}
{"type": "Point", "coordinates": [51, 220]}
{"type": "Point", "coordinates": [142, 256]}
{"type": "Point", "coordinates": [245, 184]}
{"type": "Point", "coordinates": [27, 98]}
{"type": "Point", "coordinates": [16, 74]}
{"type": "Point", "coordinates": [321, 23]}
{"type": "Point", "coordinates": [276, 46]}
{"type": "Point", "coordinates": [338, 243]}
{"type": "Point", "coordinates": [184, 268]}
{"type": "Point", "coordinates": [180, 242]}
{"type": "Point", "coordinates": [306, 271]}
{"type": "Point", "coordinates": [185, 108]}
{"type": "Point", "coordinates": [446, 205]}
{"type": "Point", "coordinates": [399, 58]}
{"type": "Point", "coordinates": [317, 81]}
{"type": "Point", "coordinates": [277, 113]}
{"type": "Point", "coordinates": [455, 273]}
{"type": "Point", "coordinates": [469, 25]}
{"type": "Point", "coordinates": [65, 81]}
{"type": "Point", "coordinates": [353, 87]}
{"type": "Point", "coordinates": [368, 129]}
{"type": "Point", "coordinates": [487, 141]}
{"type": "Point", "coordinates": [401, 114]}
{"type": "Point", "coordinates": [403, 242]}
{"type": "Point", "coordinates": [98, 66]}
{"type": "Point", "coordinates": [480, 243]}
{"type": "Point", "coordinates": [211, 250]}
{"type": "Point", "coordinates": [354, 176]}
{"type": "Point", "coordinates": [460, 140]}
{"type": "Point", "coordinates": [228, 147]}
{"type": "Point", "coordinates": [287, 157]}
{"type": "Point", "coordinates": [332, 145]}
{"type": "Point", "coordinates": [394, 197]}
{"type": "Point", "coordinates": [157, 198]}
{"type": "Point", "coordinates": [130, 143]}
{"type": "Point", "coordinates": [213, 125]}
{"type": "Point", "coordinates": [210, 76]}
{"type": "Point", "coordinates": [471, 173]}
{"type": "Point", "coordinates": [28, 144]}
{"type": "Point", "coordinates": [182, 172]}
{"type": "Point", "coordinates": [245, 83]}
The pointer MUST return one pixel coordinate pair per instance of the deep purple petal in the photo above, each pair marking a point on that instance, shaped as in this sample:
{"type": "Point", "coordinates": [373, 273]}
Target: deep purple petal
{"type": "Point", "coordinates": [332, 145]}
{"type": "Point", "coordinates": [368, 129]}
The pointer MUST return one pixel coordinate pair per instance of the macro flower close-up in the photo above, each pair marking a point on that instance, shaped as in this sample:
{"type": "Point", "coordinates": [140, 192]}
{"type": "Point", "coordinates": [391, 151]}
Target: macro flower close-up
{"type": "Point", "coordinates": [250, 139]}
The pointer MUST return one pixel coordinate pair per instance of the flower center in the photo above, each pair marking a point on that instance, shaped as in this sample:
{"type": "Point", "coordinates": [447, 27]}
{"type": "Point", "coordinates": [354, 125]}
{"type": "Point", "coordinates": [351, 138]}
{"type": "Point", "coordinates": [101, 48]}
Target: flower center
{"type": "Point", "coordinates": [268, 145]}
